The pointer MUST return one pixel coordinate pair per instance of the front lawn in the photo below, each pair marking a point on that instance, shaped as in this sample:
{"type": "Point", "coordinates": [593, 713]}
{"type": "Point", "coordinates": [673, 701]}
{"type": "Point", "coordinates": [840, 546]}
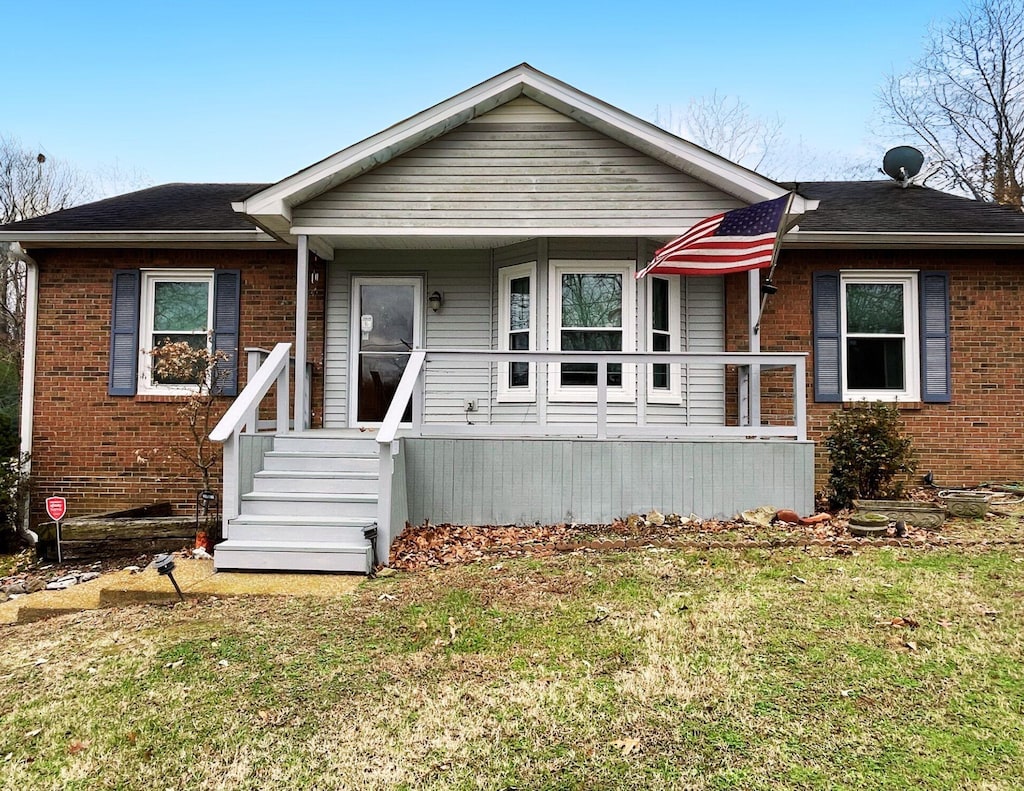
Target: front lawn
{"type": "Point", "coordinates": [890, 668]}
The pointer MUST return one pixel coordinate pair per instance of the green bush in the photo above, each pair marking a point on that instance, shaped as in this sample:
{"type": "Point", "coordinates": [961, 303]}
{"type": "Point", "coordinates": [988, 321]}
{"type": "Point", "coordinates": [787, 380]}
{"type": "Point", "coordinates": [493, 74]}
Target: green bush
{"type": "Point", "coordinates": [869, 454]}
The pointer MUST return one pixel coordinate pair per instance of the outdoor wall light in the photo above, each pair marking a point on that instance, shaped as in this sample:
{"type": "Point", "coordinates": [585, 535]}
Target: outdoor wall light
{"type": "Point", "coordinates": [435, 300]}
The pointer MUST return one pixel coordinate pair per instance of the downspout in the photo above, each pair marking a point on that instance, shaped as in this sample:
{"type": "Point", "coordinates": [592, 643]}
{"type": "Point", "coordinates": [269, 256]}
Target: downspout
{"type": "Point", "coordinates": [28, 367]}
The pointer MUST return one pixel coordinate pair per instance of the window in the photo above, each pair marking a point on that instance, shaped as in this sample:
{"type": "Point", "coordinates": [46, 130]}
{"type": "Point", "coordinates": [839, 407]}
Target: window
{"type": "Point", "coordinates": [663, 380]}
{"type": "Point", "coordinates": [589, 303]}
{"type": "Point", "coordinates": [177, 307]}
{"type": "Point", "coordinates": [517, 320]}
{"type": "Point", "coordinates": [881, 336]}
{"type": "Point", "coordinates": [199, 307]}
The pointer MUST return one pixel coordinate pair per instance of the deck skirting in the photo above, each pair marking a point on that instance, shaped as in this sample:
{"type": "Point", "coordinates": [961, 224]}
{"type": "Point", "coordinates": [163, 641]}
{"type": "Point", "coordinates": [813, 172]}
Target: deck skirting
{"type": "Point", "coordinates": [513, 481]}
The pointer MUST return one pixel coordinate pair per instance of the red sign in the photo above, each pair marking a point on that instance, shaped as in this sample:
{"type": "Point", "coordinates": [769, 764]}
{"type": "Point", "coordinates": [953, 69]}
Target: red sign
{"type": "Point", "coordinates": [56, 507]}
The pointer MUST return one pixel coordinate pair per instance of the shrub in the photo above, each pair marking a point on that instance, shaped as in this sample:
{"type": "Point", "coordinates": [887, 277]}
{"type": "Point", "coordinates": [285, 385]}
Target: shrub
{"type": "Point", "coordinates": [868, 453]}
{"type": "Point", "coordinates": [13, 498]}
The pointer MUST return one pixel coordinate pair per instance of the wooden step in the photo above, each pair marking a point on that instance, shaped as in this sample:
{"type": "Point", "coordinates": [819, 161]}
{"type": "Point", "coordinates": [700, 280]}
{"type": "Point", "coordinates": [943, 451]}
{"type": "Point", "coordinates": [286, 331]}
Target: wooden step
{"type": "Point", "coordinates": [309, 504]}
{"type": "Point", "coordinates": [238, 555]}
{"type": "Point", "coordinates": [320, 482]}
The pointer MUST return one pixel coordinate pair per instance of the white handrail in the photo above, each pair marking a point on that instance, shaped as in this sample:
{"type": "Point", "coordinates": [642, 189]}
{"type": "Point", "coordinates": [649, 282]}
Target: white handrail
{"type": "Point", "coordinates": [255, 390]}
{"type": "Point", "coordinates": [403, 393]}
{"type": "Point", "coordinates": [244, 413]}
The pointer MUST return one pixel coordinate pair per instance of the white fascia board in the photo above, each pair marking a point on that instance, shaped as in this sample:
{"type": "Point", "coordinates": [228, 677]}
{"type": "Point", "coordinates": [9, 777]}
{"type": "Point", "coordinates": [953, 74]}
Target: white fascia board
{"type": "Point", "coordinates": [657, 143]}
{"type": "Point", "coordinates": [521, 80]}
{"type": "Point", "coordinates": [931, 240]}
{"type": "Point", "coordinates": [384, 146]}
{"type": "Point", "coordinates": [34, 238]}
{"type": "Point", "coordinates": [665, 233]}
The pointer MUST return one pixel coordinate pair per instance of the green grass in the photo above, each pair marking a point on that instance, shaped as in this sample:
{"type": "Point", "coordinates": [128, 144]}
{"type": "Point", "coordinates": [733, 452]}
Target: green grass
{"type": "Point", "coordinates": [644, 669]}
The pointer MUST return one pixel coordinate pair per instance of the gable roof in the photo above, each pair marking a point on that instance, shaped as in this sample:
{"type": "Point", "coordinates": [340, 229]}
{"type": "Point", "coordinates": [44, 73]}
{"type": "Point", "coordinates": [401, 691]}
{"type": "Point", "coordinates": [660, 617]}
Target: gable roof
{"type": "Point", "coordinates": [271, 207]}
{"type": "Point", "coordinates": [885, 213]}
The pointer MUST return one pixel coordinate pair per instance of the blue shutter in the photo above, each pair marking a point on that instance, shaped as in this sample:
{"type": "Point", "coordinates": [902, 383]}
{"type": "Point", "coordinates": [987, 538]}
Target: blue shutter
{"type": "Point", "coordinates": [124, 334]}
{"type": "Point", "coordinates": [227, 287]}
{"type": "Point", "coordinates": [936, 380]}
{"type": "Point", "coordinates": [827, 338]}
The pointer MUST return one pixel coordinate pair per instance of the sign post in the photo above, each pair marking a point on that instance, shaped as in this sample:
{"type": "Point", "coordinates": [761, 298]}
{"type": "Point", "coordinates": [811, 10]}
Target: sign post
{"type": "Point", "coordinates": [56, 508]}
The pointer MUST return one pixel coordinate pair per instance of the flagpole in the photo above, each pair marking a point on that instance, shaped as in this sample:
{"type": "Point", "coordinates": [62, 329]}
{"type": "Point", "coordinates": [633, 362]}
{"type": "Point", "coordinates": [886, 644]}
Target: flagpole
{"type": "Point", "coordinates": [775, 257]}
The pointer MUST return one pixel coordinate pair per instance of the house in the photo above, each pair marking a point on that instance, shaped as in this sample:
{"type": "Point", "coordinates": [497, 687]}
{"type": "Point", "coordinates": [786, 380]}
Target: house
{"type": "Point", "coordinates": [441, 323]}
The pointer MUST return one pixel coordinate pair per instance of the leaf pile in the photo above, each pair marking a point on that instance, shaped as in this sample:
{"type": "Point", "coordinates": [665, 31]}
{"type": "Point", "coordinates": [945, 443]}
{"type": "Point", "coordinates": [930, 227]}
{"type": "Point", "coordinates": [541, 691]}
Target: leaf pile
{"type": "Point", "coordinates": [425, 546]}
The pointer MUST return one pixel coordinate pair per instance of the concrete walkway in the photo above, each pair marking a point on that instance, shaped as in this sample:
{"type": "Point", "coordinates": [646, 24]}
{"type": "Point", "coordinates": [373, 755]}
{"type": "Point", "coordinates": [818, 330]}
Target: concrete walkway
{"type": "Point", "coordinates": [196, 578]}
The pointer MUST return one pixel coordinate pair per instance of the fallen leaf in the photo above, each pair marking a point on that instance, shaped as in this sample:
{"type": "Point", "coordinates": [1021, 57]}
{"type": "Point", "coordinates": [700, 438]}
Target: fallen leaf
{"type": "Point", "coordinates": [945, 624]}
{"type": "Point", "coordinates": [77, 746]}
{"type": "Point", "coordinates": [453, 627]}
{"type": "Point", "coordinates": [385, 597]}
{"type": "Point", "coordinates": [905, 621]}
{"type": "Point", "coordinates": [846, 692]}
{"type": "Point", "coordinates": [33, 734]}
{"type": "Point", "coordinates": [911, 645]}
{"type": "Point", "coordinates": [626, 746]}
{"type": "Point", "coordinates": [223, 663]}
{"type": "Point", "coordinates": [40, 661]}
{"type": "Point", "coordinates": [801, 580]}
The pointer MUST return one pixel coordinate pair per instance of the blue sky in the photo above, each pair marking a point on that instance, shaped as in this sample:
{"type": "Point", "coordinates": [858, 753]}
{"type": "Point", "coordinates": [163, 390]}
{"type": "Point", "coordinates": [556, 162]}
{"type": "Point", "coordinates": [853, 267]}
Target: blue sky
{"type": "Point", "coordinates": [226, 91]}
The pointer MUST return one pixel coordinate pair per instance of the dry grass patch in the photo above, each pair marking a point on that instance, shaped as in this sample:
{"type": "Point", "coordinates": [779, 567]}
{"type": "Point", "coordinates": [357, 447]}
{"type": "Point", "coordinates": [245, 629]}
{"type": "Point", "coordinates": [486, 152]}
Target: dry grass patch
{"type": "Point", "coordinates": [654, 669]}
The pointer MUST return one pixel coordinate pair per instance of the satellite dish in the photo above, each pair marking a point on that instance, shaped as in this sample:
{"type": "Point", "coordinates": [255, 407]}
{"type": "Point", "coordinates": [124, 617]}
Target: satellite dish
{"type": "Point", "coordinates": [902, 163]}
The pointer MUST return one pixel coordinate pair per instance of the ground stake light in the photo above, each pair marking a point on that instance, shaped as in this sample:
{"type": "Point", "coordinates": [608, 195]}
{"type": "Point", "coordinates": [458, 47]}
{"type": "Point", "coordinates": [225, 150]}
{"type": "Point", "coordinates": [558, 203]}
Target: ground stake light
{"type": "Point", "coordinates": [165, 565]}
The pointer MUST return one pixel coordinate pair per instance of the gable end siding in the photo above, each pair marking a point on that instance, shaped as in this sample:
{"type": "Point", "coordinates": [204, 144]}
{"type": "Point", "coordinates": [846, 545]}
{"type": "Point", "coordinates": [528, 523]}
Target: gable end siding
{"type": "Point", "coordinates": [506, 171]}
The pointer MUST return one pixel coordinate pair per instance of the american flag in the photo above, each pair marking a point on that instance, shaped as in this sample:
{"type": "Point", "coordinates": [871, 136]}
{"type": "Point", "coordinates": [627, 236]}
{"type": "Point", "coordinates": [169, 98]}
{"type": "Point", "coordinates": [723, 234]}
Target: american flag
{"type": "Point", "coordinates": [733, 241]}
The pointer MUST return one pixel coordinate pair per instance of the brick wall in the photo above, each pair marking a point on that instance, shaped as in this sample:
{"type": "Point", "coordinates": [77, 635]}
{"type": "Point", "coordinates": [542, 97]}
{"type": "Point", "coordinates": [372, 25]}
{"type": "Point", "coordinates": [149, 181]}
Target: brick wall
{"type": "Point", "coordinates": [980, 435]}
{"type": "Point", "coordinates": [103, 452]}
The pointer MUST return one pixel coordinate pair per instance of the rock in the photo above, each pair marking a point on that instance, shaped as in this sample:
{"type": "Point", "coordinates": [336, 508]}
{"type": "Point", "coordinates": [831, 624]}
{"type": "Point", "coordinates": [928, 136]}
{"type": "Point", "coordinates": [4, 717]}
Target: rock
{"type": "Point", "coordinates": [655, 518]}
{"type": "Point", "coordinates": [59, 585]}
{"type": "Point", "coordinates": [3, 595]}
{"type": "Point", "coordinates": [761, 516]}
{"type": "Point", "coordinates": [133, 569]}
{"type": "Point", "coordinates": [33, 584]}
{"type": "Point", "coordinates": [386, 571]}
{"type": "Point", "coordinates": [16, 589]}
{"type": "Point", "coordinates": [89, 575]}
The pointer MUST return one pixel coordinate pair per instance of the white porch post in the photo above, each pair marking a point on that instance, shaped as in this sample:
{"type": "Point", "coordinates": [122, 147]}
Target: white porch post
{"type": "Point", "coordinates": [301, 321]}
{"type": "Point", "coordinates": [753, 311]}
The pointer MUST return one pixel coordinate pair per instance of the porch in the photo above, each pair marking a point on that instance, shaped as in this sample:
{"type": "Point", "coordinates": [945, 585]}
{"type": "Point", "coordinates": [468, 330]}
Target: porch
{"type": "Point", "coordinates": [316, 499]}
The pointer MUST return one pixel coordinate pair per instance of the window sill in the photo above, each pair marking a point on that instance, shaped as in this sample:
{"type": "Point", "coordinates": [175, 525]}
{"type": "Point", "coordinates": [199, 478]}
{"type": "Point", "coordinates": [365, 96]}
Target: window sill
{"type": "Point", "coordinates": [903, 406]}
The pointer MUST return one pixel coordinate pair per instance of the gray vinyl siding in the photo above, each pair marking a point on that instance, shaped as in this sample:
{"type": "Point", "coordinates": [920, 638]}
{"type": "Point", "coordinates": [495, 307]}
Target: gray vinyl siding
{"type": "Point", "coordinates": [464, 277]}
{"type": "Point", "coordinates": [469, 320]}
{"type": "Point", "coordinates": [518, 166]}
{"type": "Point", "coordinates": [491, 481]}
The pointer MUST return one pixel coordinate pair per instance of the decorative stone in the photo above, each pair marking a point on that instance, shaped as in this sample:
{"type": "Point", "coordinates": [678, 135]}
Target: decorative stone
{"type": "Point", "coordinates": [33, 584]}
{"type": "Point", "coordinates": [923, 515]}
{"type": "Point", "coordinates": [655, 518]}
{"type": "Point", "coordinates": [89, 576]}
{"type": "Point", "coordinates": [966, 505]}
{"type": "Point", "coordinates": [16, 589]}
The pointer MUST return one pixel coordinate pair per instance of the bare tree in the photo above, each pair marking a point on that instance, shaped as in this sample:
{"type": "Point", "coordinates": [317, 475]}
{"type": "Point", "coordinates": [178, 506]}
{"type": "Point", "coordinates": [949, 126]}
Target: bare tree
{"type": "Point", "coordinates": [31, 184]}
{"type": "Point", "coordinates": [963, 99]}
{"type": "Point", "coordinates": [725, 125]}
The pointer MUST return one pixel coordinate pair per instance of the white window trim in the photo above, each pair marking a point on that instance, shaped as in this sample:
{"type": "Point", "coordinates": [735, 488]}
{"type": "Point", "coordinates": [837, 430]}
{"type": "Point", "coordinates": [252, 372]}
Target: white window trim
{"type": "Point", "coordinates": [912, 330]}
{"type": "Point", "coordinates": [150, 277]}
{"type": "Point", "coordinates": [558, 392]}
{"type": "Point", "coordinates": [674, 393]}
{"type": "Point", "coordinates": [507, 393]}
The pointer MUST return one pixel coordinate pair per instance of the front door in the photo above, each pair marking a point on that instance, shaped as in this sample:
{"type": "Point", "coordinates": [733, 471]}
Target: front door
{"type": "Point", "coordinates": [386, 320]}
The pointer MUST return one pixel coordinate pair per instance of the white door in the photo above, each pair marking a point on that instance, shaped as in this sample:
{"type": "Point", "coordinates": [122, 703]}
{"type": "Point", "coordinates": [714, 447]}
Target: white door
{"type": "Point", "coordinates": [387, 318]}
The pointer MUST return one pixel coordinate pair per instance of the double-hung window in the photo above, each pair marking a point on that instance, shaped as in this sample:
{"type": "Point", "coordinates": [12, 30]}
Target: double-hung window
{"type": "Point", "coordinates": [177, 307]}
{"type": "Point", "coordinates": [155, 307]}
{"type": "Point", "coordinates": [881, 336]}
{"type": "Point", "coordinates": [517, 321]}
{"type": "Point", "coordinates": [591, 310]}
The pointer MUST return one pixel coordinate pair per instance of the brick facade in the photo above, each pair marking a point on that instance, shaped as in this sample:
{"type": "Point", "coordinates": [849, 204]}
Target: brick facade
{"type": "Point", "coordinates": [977, 437]}
{"type": "Point", "coordinates": [101, 451]}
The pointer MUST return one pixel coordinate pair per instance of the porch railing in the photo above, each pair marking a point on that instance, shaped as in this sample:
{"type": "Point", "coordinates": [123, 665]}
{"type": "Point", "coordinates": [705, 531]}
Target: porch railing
{"type": "Point", "coordinates": [243, 416]}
